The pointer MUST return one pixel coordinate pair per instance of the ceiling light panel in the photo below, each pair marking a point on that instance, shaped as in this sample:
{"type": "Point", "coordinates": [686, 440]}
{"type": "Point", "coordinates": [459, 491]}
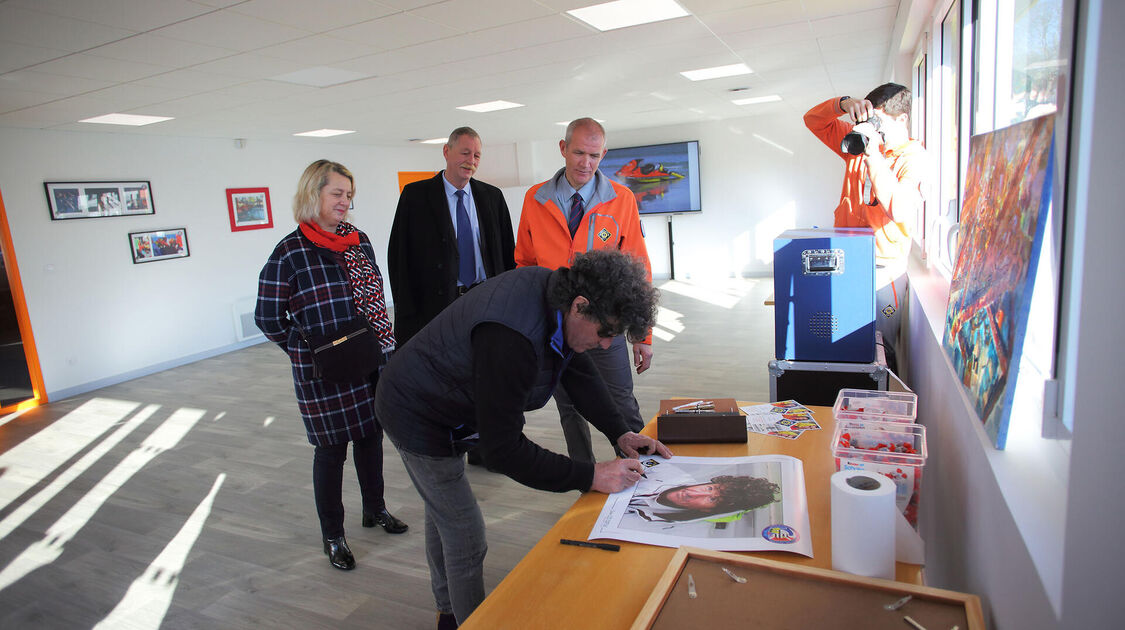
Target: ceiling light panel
{"type": "Point", "coordinates": [131, 120]}
{"type": "Point", "coordinates": [325, 133]}
{"type": "Point", "coordinates": [490, 106]}
{"type": "Point", "coordinates": [717, 72]}
{"type": "Point", "coordinates": [622, 13]}
{"type": "Point", "coordinates": [756, 100]}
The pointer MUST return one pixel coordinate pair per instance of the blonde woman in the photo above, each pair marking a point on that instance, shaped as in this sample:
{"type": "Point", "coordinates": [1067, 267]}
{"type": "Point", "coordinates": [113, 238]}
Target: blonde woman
{"type": "Point", "coordinates": [319, 277]}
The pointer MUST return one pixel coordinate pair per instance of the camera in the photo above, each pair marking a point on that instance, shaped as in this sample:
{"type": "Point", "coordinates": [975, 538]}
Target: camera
{"type": "Point", "coordinates": [855, 143]}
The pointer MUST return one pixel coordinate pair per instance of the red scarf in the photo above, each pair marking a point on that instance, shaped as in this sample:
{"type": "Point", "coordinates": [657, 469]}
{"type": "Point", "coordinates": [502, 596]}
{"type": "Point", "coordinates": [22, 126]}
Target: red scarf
{"type": "Point", "coordinates": [328, 240]}
{"type": "Point", "coordinates": [363, 276]}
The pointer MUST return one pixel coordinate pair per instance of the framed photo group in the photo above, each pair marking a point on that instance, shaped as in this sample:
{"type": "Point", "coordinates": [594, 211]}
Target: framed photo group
{"type": "Point", "coordinates": [249, 210]}
{"type": "Point", "coordinates": [159, 245]}
{"type": "Point", "coordinates": [86, 200]}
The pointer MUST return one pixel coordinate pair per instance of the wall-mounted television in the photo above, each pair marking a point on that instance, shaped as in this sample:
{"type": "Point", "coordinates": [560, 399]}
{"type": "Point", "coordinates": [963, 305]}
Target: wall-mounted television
{"type": "Point", "coordinates": [663, 177]}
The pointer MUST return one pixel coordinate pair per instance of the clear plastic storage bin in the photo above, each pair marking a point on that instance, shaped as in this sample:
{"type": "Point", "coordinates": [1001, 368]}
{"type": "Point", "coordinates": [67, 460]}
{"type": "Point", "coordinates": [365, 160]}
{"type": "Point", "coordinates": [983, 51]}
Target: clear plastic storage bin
{"type": "Point", "coordinates": [894, 449]}
{"type": "Point", "coordinates": [878, 406]}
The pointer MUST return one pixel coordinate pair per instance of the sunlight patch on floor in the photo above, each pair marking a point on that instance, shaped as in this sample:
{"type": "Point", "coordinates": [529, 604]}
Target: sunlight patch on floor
{"type": "Point", "coordinates": [47, 550]}
{"type": "Point", "coordinates": [146, 602]}
{"type": "Point", "coordinates": [668, 324]}
{"type": "Point", "coordinates": [722, 292]}
{"type": "Point", "coordinates": [37, 457]}
{"type": "Point", "coordinates": [12, 416]}
{"type": "Point", "coordinates": [41, 498]}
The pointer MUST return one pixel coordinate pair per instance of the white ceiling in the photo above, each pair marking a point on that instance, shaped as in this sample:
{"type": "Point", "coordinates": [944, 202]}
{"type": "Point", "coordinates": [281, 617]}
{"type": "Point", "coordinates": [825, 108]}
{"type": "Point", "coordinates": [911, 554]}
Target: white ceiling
{"type": "Point", "coordinates": [214, 64]}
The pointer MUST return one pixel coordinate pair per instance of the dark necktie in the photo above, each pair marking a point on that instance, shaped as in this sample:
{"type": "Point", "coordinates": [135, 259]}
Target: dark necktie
{"type": "Point", "coordinates": [466, 251]}
{"type": "Point", "coordinates": [577, 209]}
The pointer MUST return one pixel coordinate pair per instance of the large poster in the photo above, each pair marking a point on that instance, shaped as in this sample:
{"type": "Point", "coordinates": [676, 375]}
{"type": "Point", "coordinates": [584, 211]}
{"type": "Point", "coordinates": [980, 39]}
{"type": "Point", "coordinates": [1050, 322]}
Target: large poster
{"type": "Point", "coordinates": [1003, 217]}
{"type": "Point", "coordinates": [723, 503]}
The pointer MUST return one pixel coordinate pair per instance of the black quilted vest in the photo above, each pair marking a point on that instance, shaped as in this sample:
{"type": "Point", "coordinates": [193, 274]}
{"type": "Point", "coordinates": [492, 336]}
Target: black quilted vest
{"type": "Point", "coordinates": [425, 396]}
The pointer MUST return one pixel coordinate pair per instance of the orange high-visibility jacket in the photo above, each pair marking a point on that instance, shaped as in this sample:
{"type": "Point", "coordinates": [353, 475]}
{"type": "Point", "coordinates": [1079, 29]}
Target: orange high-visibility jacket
{"type": "Point", "coordinates": [611, 222]}
{"type": "Point", "coordinates": [890, 217]}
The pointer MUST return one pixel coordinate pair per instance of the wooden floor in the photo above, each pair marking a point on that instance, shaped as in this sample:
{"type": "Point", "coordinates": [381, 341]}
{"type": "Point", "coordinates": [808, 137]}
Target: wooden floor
{"type": "Point", "coordinates": [183, 499]}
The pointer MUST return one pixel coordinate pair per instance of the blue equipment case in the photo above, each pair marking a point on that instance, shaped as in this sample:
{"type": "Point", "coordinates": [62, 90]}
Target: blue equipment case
{"type": "Point", "coordinates": [824, 295]}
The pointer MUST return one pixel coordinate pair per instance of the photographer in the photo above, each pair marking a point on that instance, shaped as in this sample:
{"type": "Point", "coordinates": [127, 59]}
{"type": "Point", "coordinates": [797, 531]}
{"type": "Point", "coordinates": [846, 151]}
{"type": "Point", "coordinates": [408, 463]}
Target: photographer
{"type": "Point", "coordinates": [885, 182]}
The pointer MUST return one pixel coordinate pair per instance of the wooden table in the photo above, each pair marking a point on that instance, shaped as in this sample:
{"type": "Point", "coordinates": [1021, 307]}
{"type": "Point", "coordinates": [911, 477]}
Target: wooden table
{"type": "Point", "coordinates": [560, 586]}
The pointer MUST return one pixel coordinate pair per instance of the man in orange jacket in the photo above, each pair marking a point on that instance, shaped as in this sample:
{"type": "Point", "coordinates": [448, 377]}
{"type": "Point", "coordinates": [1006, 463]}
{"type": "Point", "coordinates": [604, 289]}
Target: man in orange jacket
{"type": "Point", "coordinates": [578, 210]}
{"type": "Point", "coordinates": [884, 185]}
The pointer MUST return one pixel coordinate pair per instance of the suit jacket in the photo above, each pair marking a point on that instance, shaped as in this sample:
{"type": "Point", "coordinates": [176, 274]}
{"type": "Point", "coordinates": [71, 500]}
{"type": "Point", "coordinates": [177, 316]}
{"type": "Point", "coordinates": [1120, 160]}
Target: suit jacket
{"type": "Point", "coordinates": [422, 260]}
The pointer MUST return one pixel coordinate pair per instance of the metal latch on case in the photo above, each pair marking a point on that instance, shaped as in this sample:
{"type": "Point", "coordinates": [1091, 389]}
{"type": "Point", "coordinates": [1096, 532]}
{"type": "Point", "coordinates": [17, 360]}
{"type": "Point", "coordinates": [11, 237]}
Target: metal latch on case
{"type": "Point", "coordinates": [823, 262]}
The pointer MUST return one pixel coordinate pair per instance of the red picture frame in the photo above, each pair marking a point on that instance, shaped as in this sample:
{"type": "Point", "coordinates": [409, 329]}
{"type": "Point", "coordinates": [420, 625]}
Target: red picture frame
{"type": "Point", "coordinates": [249, 209]}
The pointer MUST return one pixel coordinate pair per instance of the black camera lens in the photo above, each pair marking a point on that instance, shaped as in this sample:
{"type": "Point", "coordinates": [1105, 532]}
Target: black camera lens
{"type": "Point", "coordinates": [855, 143]}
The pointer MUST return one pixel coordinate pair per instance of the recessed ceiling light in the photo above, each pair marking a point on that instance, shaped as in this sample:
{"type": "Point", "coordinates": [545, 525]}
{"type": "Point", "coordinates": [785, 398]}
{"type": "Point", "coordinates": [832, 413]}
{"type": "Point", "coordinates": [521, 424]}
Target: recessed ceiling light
{"type": "Point", "coordinates": [434, 141]}
{"type": "Point", "coordinates": [490, 106]}
{"type": "Point", "coordinates": [133, 120]}
{"type": "Point", "coordinates": [756, 99]}
{"type": "Point", "coordinates": [622, 13]}
{"type": "Point", "coordinates": [717, 72]}
{"type": "Point", "coordinates": [325, 133]}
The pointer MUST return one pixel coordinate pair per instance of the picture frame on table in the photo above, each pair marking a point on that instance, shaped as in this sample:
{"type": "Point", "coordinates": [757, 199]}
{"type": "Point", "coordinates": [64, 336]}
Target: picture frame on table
{"type": "Point", "coordinates": [154, 245]}
{"type": "Point", "coordinates": [249, 209]}
{"type": "Point", "coordinates": [87, 200]}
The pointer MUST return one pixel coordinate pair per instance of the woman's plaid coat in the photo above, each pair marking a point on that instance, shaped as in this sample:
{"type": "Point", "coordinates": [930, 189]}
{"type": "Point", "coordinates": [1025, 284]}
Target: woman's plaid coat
{"type": "Point", "coordinates": [306, 285]}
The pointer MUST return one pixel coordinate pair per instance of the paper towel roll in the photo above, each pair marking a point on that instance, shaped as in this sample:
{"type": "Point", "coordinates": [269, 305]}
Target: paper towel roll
{"type": "Point", "coordinates": [863, 524]}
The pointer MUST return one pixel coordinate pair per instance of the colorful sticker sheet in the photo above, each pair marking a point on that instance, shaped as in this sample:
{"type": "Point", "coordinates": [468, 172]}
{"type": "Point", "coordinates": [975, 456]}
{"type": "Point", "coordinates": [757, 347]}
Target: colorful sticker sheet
{"type": "Point", "coordinates": [786, 419]}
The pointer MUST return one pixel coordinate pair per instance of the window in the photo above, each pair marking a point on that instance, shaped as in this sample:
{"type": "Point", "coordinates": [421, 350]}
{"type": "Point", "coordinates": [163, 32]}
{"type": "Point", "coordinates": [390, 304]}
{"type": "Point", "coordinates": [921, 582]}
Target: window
{"type": "Point", "coordinates": [918, 130]}
{"type": "Point", "coordinates": [1023, 40]}
{"type": "Point", "coordinates": [948, 103]}
{"type": "Point", "coordinates": [1020, 74]}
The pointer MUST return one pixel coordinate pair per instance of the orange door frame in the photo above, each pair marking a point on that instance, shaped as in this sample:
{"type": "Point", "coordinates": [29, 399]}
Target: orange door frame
{"type": "Point", "coordinates": [39, 393]}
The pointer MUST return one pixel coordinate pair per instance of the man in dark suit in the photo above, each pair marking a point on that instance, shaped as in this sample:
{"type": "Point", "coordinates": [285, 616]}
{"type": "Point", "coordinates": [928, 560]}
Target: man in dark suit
{"type": "Point", "coordinates": [450, 233]}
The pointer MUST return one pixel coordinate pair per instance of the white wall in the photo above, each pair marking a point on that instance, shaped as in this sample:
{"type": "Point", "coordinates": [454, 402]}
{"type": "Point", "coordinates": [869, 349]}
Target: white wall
{"type": "Point", "coordinates": [98, 318]}
{"type": "Point", "coordinates": [973, 543]}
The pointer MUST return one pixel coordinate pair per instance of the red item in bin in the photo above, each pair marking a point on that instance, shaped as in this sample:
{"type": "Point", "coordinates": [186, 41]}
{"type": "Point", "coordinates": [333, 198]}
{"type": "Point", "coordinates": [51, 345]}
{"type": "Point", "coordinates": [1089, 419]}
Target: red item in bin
{"type": "Point", "coordinates": [896, 450]}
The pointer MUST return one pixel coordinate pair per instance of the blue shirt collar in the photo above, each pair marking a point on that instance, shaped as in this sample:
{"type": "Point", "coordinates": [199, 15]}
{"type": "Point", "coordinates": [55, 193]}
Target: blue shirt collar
{"type": "Point", "coordinates": [450, 189]}
{"type": "Point", "coordinates": [587, 191]}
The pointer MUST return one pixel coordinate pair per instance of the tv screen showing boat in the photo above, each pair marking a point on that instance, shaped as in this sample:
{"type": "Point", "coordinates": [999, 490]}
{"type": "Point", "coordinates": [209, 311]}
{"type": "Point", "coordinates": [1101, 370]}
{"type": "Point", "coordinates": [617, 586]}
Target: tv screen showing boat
{"type": "Point", "coordinates": [663, 177]}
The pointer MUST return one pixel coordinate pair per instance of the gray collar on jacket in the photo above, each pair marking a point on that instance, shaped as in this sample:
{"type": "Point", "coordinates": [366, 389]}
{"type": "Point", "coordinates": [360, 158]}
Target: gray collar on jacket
{"type": "Point", "coordinates": [603, 189]}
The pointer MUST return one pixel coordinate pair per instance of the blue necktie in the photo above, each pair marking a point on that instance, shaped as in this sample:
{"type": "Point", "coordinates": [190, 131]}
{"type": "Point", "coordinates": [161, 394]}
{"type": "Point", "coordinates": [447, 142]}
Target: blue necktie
{"type": "Point", "coordinates": [576, 212]}
{"type": "Point", "coordinates": [466, 250]}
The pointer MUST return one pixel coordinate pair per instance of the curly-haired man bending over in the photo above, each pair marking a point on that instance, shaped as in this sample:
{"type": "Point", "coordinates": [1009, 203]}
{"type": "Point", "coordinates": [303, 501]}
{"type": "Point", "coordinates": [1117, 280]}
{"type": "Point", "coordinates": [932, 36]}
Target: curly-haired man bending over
{"type": "Point", "coordinates": [468, 377]}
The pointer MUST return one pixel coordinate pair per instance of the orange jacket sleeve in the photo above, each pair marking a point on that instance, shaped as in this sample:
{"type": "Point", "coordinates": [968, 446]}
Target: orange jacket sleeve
{"type": "Point", "coordinates": [824, 121]}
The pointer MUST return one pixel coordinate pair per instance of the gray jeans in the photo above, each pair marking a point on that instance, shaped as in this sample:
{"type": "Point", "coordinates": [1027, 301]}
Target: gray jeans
{"type": "Point", "coordinates": [455, 542]}
{"type": "Point", "coordinates": [616, 367]}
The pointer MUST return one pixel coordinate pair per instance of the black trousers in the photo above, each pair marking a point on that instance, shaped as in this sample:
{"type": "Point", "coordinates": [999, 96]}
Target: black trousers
{"type": "Point", "coordinates": [328, 480]}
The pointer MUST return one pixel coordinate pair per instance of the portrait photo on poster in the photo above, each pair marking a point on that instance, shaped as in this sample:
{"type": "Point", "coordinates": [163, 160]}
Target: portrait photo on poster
{"type": "Point", "coordinates": [753, 503]}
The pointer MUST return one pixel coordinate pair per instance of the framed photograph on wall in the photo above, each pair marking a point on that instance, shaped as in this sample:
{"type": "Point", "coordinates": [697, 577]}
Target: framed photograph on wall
{"type": "Point", "coordinates": [85, 200]}
{"type": "Point", "coordinates": [249, 209]}
{"type": "Point", "coordinates": [158, 245]}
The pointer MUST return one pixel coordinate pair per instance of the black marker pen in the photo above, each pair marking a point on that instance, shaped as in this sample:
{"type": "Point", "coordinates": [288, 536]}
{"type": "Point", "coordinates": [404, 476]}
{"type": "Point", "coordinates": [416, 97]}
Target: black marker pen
{"type": "Point", "coordinates": [586, 543]}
